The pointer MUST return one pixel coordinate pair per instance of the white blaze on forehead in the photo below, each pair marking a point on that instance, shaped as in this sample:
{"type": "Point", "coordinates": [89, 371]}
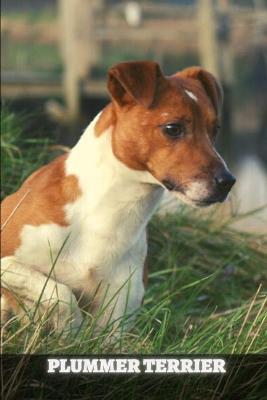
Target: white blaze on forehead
{"type": "Point", "coordinates": [192, 95]}
{"type": "Point", "coordinates": [165, 114]}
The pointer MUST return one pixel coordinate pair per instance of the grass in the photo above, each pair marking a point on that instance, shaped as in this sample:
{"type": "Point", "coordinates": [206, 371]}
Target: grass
{"type": "Point", "coordinates": [204, 277]}
{"type": "Point", "coordinates": [206, 294]}
{"type": "Point", "coordinates": [207, 283]}
{"type": "Point", "coordinates": [21, 153]}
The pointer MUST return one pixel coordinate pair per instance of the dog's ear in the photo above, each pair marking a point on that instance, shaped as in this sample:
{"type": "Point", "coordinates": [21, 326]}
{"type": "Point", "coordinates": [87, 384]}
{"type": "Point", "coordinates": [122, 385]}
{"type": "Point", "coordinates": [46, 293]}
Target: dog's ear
{"type": "Point", "coordinates": [210, 84]}
{"type": "Point", "coordinates": [134, 81]}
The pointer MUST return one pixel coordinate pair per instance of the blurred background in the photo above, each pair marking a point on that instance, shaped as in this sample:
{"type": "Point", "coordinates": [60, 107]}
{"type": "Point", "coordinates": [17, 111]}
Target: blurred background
{"type": "Point", "coordinates": [56, 53]}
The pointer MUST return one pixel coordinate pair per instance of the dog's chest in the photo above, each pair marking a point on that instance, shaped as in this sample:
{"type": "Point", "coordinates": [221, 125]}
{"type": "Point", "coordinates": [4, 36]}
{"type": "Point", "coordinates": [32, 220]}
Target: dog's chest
{"type": "Point", "coordinates": [111, 232]}
{"type": "Point", "coordinates": [102, 237]}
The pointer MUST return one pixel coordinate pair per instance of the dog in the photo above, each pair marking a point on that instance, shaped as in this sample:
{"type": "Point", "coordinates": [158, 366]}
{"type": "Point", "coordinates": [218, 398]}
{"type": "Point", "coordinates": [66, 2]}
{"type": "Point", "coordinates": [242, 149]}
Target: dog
{"type": "Point", "coordinates": [74, 234]}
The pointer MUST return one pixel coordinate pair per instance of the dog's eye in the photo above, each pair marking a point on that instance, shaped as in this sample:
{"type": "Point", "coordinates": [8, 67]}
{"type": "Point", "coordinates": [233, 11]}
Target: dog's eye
{"type": "Point", "coordinates": [174, 130]}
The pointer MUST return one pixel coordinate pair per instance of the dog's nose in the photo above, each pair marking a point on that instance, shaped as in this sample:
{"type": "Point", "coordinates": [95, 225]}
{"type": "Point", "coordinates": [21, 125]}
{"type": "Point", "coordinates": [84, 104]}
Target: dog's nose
{"type": "Point", "coordinates": [224, 180]}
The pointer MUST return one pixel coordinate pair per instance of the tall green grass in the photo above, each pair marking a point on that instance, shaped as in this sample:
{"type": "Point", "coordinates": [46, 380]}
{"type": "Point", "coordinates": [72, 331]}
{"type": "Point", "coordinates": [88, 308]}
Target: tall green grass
{"type": "Point", "coordinates": [206, 294]}
{"type": "Point", "coordinates": [207, 282]}
{"type": "Point", "coordinates": [21, 152]}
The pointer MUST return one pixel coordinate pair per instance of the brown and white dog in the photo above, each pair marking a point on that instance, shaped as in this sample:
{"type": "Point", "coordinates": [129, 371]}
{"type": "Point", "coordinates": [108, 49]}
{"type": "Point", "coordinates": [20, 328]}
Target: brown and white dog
{"type": "Point", "coordinates": [158, 132]}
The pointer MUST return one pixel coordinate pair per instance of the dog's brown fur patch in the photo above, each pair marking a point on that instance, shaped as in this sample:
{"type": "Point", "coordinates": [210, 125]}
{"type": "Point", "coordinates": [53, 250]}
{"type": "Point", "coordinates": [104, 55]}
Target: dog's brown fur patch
{"type": "Point", "coordinates": [45, 193]}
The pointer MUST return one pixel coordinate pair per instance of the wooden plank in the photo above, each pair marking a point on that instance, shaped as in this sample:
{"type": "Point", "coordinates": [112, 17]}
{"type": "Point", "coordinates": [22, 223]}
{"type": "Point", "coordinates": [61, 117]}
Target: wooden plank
{"type": "Point", "coordinates": [20, 90]}
{"type": "Point", "coordinates": [17, 89]}
{"type": "Point", "coordinates": [94, 88]}
{"type": "Point", "coordinates": [144, 33]}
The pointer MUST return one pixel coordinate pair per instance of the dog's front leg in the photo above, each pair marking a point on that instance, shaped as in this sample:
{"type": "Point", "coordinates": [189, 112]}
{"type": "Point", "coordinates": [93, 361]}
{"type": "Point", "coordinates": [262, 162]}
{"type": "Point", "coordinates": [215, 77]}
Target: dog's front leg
{"type": "Point", "coordinates": [54, 300]}
{"type": "Point", "coordinates": [119, 301]}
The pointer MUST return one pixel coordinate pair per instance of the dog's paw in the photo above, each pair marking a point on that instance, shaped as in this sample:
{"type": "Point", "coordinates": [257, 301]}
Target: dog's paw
{"type": "Point", "coordinates": [66, 317]}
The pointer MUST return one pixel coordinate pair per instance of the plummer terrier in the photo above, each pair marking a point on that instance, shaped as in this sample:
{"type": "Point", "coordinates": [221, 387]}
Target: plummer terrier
{"type": "Point", "coordinates": [74, 234]}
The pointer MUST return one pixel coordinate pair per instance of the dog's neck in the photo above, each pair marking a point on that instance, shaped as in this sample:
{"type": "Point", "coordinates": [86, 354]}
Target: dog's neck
{"type": "Point", "coordinates": [103, 177]}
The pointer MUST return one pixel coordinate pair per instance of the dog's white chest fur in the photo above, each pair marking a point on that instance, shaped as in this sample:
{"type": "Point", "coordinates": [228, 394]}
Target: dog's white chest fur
{"type": "Point", "coordinates": [106, 224]}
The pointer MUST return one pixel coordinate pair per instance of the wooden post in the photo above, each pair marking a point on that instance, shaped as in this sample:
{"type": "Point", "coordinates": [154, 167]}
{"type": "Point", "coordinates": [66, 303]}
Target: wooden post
{"type": "Point", "coordinates": [67, 12]}
{"type": "Point", "coordinates": [226, 75]}
{"type": "Point", "coordinates": [215, 56]}
{"type": "Point", "coordinates": [208, 51]}
{"type": "Point", "coordinates": [79, 47]}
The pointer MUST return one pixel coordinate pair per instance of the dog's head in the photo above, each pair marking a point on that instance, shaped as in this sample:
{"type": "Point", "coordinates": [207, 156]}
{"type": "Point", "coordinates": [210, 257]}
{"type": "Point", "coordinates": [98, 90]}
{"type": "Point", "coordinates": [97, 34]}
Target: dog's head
{"type": "Point", "coordinates": [167, 126]}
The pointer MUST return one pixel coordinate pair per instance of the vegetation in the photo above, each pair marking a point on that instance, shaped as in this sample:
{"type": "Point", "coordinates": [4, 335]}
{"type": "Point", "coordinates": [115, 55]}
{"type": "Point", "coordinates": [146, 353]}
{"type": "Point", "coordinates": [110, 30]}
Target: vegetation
{"type": "Point", "coordinates": [204, 276]}
{"type": "Point", "coordinates": [21, 153]}
{"type": "Point", "coordinates": [206, 291]}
